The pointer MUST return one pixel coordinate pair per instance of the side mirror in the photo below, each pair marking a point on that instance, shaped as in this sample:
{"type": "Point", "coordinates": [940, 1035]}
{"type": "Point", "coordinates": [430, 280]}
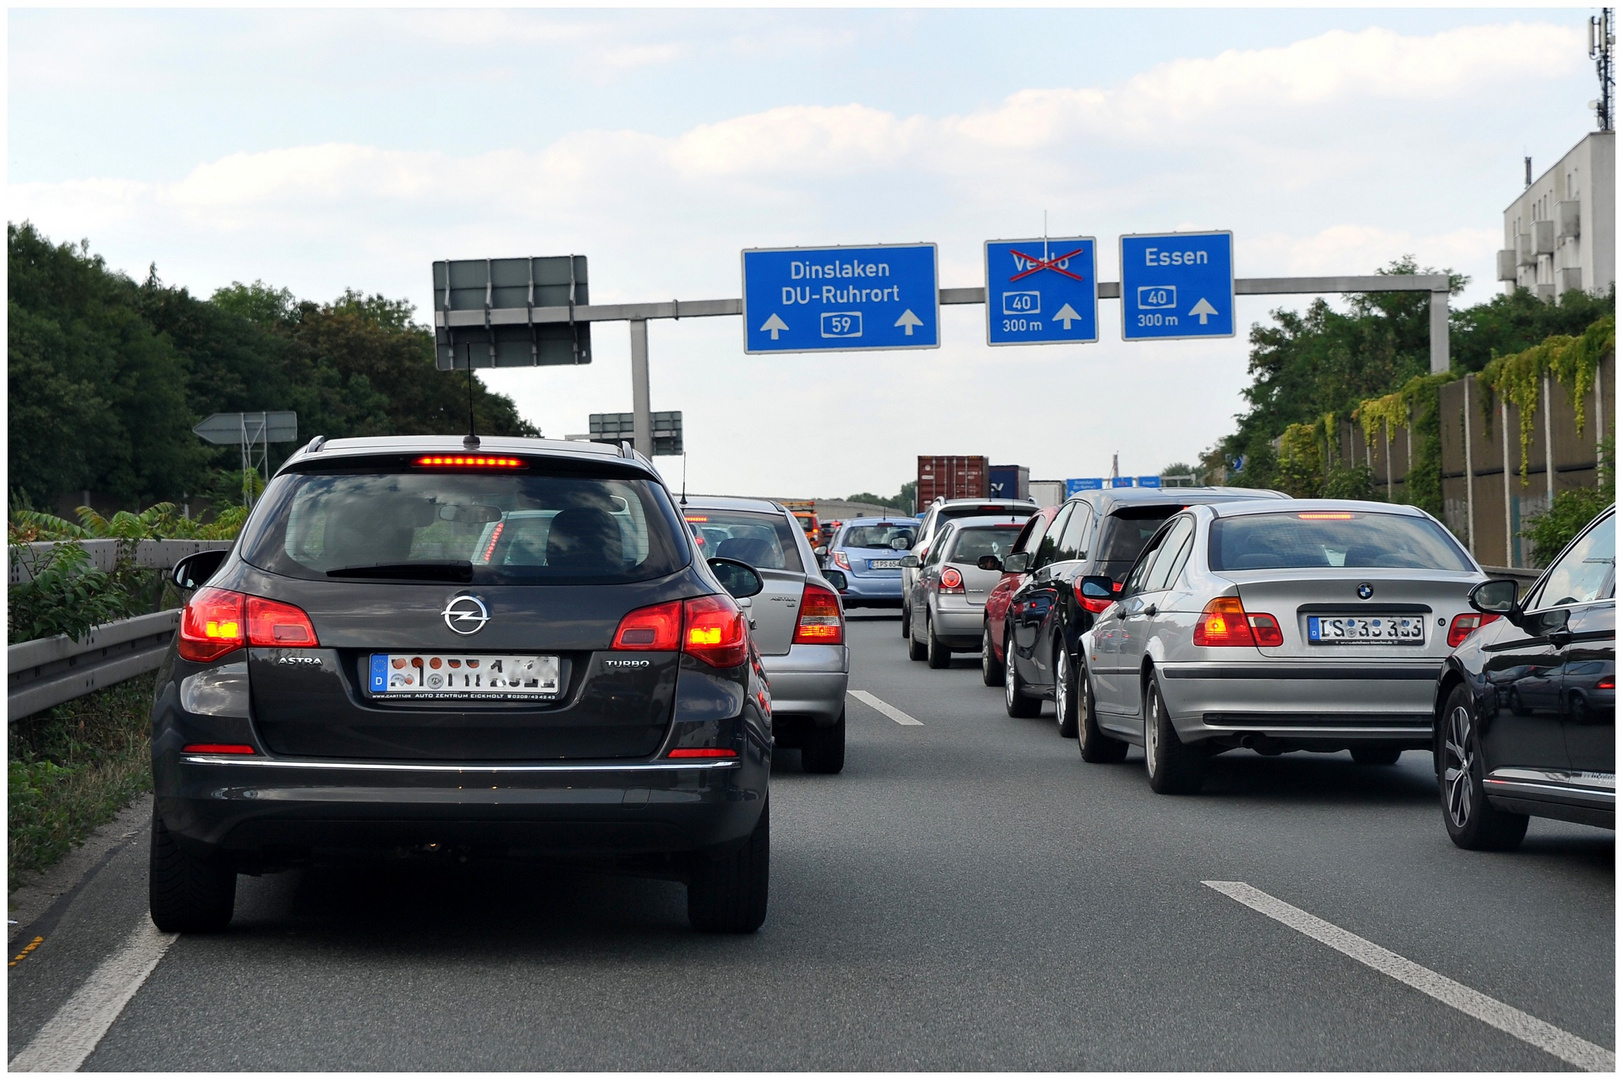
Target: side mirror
{"type": "Point", "coordinates": [989, 562]}
{"type": "Point", "coordinates": [1097, 588]}
{"type": "Point", "coordinates": [196, 568]}
{"type": "Point", "coordinates": [1017, 563]}
{"type": "Point", "coordinates": [836, 579]}
{"type": "Point", "coordinates": [820, 551]}
{"type": "Point", "coordinates": [739, 579]}
{"type": "Point", "coordinates": [1496, 597]}
{"type": "Point", "coordinates": [908, 562]}
{"type": "Point", "coordinates": [900, 543]}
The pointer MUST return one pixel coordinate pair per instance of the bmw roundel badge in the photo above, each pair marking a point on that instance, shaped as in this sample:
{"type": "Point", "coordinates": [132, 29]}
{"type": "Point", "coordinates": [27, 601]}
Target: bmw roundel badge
{"type": "Point", "coordinates": [1365, 590]}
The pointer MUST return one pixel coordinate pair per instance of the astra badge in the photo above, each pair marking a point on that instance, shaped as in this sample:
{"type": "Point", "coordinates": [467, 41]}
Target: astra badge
{"type": "Point", "coordinates": [1365, 590]}
{"type": "Point", "coordinates": [466, 614]}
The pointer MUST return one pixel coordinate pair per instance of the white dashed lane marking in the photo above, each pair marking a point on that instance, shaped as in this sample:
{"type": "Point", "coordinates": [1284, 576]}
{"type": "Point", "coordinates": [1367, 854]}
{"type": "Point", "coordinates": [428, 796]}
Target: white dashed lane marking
{"type": "Point", "coordinates": [889, 710]}
{"type": "Point", "coordinates": [1512, 1021]}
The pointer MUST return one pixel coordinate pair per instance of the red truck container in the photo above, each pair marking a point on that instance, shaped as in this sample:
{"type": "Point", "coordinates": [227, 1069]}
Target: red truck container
{"type": "Point", "coordinates": [953, 477]}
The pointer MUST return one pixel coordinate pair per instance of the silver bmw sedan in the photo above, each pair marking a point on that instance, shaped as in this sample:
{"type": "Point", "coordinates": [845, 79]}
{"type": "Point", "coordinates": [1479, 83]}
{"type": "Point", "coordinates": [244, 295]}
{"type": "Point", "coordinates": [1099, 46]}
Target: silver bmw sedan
{"type": "Point", "coordinates": [1308, 625]}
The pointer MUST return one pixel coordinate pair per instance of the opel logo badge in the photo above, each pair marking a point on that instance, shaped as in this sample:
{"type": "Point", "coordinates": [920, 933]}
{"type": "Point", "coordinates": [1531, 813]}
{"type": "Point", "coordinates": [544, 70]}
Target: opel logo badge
{"type": "Point", "coordinates": [1365, 590]}
{"type": "Point", "coordinates": [465, 614]}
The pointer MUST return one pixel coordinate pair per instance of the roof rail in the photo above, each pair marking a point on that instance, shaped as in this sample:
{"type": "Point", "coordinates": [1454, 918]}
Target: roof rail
{"type": "Point", "coordinates": [314, 445]}
{"type": "Point", "coordinates": [626, 451]}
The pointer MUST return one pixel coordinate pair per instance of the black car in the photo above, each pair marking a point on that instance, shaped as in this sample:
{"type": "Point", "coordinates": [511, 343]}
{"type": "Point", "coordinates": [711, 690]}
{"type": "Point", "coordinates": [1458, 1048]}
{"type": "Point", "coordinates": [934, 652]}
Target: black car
{"type": "Point", "coordinates": [1526, 715]}
{"type": "Point", "coordinates": [1095, 534]}
{"type": "Point", "coordinates": [510, 650]}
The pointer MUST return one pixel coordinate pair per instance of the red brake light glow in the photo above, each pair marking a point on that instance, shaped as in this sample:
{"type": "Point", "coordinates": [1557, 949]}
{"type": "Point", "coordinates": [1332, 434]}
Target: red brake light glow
{"type": "Point", "coordinates": [211, 625]}
{"type": "Point", "coordinates": [1608, 683]}
{"type": "Point", "coordinates": [1463, 625]}
{"type": "Point", "coordinates": [468, 461]}
{"type": "Point", "coordinates": [1088, 603]}
{"type": "Point", "coordinates": [702, 752]}
{"type": "Point", "coordinates": [820, 621]}
{"type": "Point", "coordinates": [951, 580]}
{"type": "Point", "coordinates": [1324, 516]}
{"type": "Point", "coordinates": [283, 626]}
{"type": "Point", "coordinates": [657, 628]}
{"type": "Point", "coordinates": [1225, 622]}
{"type": "Point", "coordinates": [216, 748]}
{"type": "Point", "coordinates": [495, 535]}
{"type": "Point", "coordinates": [716, 631]}
{"type": "Point", "coordinates": [698, 517]}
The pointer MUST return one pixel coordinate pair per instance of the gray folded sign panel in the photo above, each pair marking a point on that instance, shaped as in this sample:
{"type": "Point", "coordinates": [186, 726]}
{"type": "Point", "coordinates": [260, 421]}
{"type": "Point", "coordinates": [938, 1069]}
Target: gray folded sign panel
{"type": "Point", "coordinates": [615, 428]}
{"type": "Point", "coordinates": [233, 428]}
{"type": "Point", "coordinates": [510, 286]}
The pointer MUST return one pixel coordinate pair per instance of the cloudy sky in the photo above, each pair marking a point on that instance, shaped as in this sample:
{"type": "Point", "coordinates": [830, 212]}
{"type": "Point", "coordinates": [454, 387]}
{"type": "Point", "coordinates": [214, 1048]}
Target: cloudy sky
{"type": "Point", "coordinates": [320, 150]}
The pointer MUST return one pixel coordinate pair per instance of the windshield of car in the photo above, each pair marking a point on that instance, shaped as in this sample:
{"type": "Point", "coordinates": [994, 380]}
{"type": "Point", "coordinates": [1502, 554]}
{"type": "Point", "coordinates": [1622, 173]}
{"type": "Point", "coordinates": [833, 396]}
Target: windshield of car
{"type": "Point", "coordinates": [764, 541]}
{"type": "Point", "coordinates": [975, 543]}
{"type": "Point", "coordinates": [877, 536]}
{"type": "Point", "coordinates": [1314, 538]}
{"type": "Point", "coordinates": [485, 528]}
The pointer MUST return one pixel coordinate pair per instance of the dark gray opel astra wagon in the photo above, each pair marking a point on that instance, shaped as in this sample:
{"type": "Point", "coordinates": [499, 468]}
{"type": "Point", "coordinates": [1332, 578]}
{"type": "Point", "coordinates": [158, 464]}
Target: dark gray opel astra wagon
{"type": "Point", "coordinates": [513, 649]}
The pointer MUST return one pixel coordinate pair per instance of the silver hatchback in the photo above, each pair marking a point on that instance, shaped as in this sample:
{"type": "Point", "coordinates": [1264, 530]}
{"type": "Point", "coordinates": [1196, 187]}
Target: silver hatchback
{"type": "Point", "coordinates": [797, 622]}
{"type": "Point", "coordinates": [947, 606]}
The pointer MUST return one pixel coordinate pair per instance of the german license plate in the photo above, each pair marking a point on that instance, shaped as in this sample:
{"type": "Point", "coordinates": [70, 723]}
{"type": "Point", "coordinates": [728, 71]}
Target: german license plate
{"type": "Point", "coordinates": [1366, 630]}
{"type": "Point", "coordinates": [444, 675]}
{"type": "Point", "coordinates": [883, 564]}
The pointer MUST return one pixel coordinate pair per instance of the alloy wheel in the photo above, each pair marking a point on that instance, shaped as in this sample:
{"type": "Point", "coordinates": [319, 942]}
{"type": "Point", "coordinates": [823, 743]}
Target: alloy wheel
{"type": "Point", "coordinates": [1457, 766]}
{"type": "Point", "coordinates": [1152, 731]}
{"type": "Point", "coordinates": [1009, 691]}
{"type": "Point", "coordinates": [1062, 683]}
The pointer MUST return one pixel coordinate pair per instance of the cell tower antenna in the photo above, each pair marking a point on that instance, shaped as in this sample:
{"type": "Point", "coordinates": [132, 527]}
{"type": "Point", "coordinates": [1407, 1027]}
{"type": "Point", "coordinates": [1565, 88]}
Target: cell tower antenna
{"type": "Point", "coordinates": [1601, 41]}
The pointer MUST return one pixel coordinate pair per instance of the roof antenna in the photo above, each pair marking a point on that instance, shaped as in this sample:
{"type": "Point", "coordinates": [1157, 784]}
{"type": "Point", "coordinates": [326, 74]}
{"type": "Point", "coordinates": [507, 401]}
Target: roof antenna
{"type": "Point", "coordinates": [684, 501]}
{"type": "Point", "coordinates": [470, 441]}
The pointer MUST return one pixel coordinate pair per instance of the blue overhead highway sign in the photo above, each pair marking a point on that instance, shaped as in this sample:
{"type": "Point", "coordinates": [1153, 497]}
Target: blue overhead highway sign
{"type": "Point", "coordinates": [1149, 481]}
{"type": "Point", "coordinates": [1085, 483]}
{"type": "Point", "coordinates": [841, 299]}
{"type": "Point", "coordinates": [1177, 285]}
{"type": "Point", "coordinates": [1041, 292]}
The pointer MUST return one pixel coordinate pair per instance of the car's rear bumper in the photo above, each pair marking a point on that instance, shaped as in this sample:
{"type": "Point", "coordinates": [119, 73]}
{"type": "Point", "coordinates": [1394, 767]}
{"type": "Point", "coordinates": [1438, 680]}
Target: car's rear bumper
{"type": "Point", "coordinates": [1302, 704]}
{"type": "Point", "coordinates": [874, 589]}
{"type": "Point", "coordinates": [808, 683]}
{"type": "Point", "coordinates": [266, 804]}
{"type": "Point", "coordinates": [958, 623]}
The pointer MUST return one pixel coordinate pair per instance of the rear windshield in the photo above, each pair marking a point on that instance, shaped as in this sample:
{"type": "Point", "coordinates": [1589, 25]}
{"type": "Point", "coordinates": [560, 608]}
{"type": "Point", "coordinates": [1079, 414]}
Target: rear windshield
{"type": "Point", "coordinates": [1129, 529]}
{"type": "Point", "coordinates": [878, 536]}
{"type": "Point", "coordinates": [765, 541]}
{"type": "Point", "coordinates": [1313, 538]}
{"type": "Point", "coordinates": [973, 544]}
{"type": "Point", "coordinates": [510, 529]}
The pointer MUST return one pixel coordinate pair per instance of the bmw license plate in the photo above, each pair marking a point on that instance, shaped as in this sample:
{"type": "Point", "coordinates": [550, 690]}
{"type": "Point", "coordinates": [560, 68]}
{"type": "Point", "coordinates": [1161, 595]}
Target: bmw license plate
{"type": "Point", "coordinates": [883, 564]}
{"type": "Point", "coordinates": [445, 675]}
{"type": "Point", "coordinates": [1366, 630]}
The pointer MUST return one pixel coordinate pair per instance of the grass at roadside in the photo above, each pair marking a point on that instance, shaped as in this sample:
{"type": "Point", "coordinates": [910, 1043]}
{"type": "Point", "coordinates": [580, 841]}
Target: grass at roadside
{"type": "Point", "coordinates": [72, 768]}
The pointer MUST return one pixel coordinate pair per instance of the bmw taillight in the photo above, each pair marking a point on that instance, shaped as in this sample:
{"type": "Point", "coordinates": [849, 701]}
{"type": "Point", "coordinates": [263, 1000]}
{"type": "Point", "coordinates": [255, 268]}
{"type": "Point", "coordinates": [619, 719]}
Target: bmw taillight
{"type": "Point", "coordinates": [217, 621]}
{"type": "Point", "coordinates": [951, 580]}
{"type": "Point", "coordinates": [716, 631]}
{"type": "Point", "coordinates": [1463, 625]}
{"type": "Point", "coordinates": [841, 561]}
{"type": "Point", "coordinates": [820, 621]}
{"type": "Point", "coordinates": [1225, 622]}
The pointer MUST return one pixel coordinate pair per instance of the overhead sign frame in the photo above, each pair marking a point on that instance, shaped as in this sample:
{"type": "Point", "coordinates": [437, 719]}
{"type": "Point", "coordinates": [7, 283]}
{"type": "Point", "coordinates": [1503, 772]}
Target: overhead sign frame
{"type": "Point", "coordinates": [486, 286]}
{"type": "Point", "coordinates": [1171, 274]}
{"type": "Point", "coordinates": [1038, 302]}
{"type": "Point", "coordinates": [918, 318]}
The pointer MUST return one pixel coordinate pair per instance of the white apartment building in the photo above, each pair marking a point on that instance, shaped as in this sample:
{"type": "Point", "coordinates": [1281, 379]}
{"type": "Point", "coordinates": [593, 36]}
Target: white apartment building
{"type": "Point", "coordinates": [1560, 233]}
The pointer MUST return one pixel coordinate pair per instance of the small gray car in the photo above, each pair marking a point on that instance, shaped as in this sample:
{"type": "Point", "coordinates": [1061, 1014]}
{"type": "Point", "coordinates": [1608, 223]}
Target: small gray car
{"type": "Point", "coordinates": [797, 621]}
{"type": "Point", "coordinates": [947, 607]}
{"type": "Point", "coordinates": [941, 511]}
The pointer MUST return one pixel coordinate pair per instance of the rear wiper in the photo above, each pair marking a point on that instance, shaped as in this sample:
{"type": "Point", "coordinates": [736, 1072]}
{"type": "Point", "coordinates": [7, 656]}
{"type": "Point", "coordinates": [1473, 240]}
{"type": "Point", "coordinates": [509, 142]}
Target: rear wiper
{"type": "Point", "coordinates": [448, 570]}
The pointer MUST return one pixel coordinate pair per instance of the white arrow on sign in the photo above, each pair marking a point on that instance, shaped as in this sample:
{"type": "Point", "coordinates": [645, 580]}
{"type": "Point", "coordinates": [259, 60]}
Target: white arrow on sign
{"type": "Point", "coordinates": [908, 321]}
{"type": "Point", "coordinates": [775, 324]}
{"type": "Point", "coordinates": [1203, 309]}
{"type": "Point", "coordinates": [1065, 315]}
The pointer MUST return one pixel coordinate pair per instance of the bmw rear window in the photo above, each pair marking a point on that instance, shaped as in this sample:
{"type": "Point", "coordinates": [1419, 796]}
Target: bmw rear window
{"type": "Point", "coordinates": [1305, 539]}
{"type": "Point", "coordinates": [485, 527]}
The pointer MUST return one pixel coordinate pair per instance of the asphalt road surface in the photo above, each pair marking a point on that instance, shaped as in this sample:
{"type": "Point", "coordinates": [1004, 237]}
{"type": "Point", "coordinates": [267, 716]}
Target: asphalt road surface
{"type": "Point", "coordinates": [968, 894]}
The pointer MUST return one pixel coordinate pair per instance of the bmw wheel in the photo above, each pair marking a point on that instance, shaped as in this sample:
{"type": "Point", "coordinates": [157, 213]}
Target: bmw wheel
{"type": "Point", "coordinates": [1471, 822]}
{"type": "Point", "coordinates": [1064, 693]}
{"type": "Point", "coordinates": [1094, 745]}
{"type": "Point", "coordinates": [1174, 767]}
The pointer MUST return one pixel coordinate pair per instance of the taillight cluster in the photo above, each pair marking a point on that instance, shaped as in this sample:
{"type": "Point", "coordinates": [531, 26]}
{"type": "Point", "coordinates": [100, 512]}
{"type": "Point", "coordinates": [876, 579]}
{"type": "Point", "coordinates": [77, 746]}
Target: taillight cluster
{"type": "Point", "coordinates": [841, 560]}
{"type": "Point", "coordinates": [708, 628]}
{"type": "Point", "coordinates": [1225, 621]}
{"type": "Point", "coordinates": [217, 621]}
{"type": "Point", "coordinates": [820, 621]}
{"type": "Point", "coordinates": [1463, 625]}
{"type": "Point", "coordinates": [951, 580]}
{"type": "Point", "coordinates": [1089, 604]}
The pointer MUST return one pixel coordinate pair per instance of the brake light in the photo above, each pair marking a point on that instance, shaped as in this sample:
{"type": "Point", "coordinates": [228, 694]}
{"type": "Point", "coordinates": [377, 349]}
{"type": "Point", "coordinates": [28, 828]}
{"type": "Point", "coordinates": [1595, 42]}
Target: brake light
{"type": "Point", "coordinates": [1608, 683]}
{"type": "Point", "coordinates": [657, 628]}
{"type": "Point", "coordinates": [701, 752]}
{"type": "Point", "coordinates": [841, 561]}
{"type": "Point", "coordinates": [216, 748]}
{"type": "Point", "coordinates": [951, 580]}
{"type": "Point", "coordinates": [211, 625]}
{"type": "Point", "coordinates": [468, 461]}
{"type": "Point", "coordinates": [1463, 625]}
{"type": "Point", "coordinates": [716, 631]}
{"type": "Point", "coordinates": [495, 535]}
{"type": "Point", "coordinates": [1225, 622]}
{"type": "Point", "coordinates": [698, 517]}
{"type": "Point", "coordinates": [1325, 517]}
{"type": "Point", "coordinates": [1089, 604]}
{"type": "Point", "coordinates": [271, 622]}
{"type": "Point", "coordinates": [820, 621]}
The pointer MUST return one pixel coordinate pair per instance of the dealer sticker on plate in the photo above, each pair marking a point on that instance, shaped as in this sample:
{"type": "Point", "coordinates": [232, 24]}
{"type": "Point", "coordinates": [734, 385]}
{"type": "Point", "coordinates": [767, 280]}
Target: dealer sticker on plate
{"type": "Point", "coordinates": [434, 675]}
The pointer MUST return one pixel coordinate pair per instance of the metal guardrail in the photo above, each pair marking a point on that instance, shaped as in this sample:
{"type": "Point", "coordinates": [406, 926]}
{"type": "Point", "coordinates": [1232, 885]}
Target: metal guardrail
{"type": "Point", "coordinates": [155, 554]}
{"type": "Point", "coordinates": [52, 670]}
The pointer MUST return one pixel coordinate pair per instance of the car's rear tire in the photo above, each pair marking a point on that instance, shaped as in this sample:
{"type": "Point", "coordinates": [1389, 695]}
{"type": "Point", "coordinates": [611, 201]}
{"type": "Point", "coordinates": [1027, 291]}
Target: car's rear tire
{"type": "Point", "coordinates": [1174, 767]}
{"type": "Point", "coordinates": [187, 893]}
{"type": "Point", "coordinates": [728, 895]}
{"type": "Point", "coordinates": [1095, 746]}
{"type": "Point", "coordinates": [916, 649]}
{"type": "Point", "coordinates": [823, 748]}
{"type": "Point", "coordinates": [1377, 755]}
{"type": "Point", "coordinates": [1015, 701]}
{"type": "Point", "coordinates": [937, 654]}
{"type": "Point", "coordinates": [991, 668]}
{"type": "Point", "coordinates": [1064, 692]}
{"type": "Point", "coordinates": [1471, 822]}
{"type": "Point", "coordinates": [907, 623]}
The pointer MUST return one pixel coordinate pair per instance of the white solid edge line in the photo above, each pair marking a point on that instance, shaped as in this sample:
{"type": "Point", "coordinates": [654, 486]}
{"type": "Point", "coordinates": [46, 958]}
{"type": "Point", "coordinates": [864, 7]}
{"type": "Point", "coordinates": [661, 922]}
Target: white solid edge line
{"type": "Point", "coordinates": [889, 710]}
{"type": "Point", "coordinates": [1512, 1021]}
{"type": "Point", "coordinates": [69, 1037]}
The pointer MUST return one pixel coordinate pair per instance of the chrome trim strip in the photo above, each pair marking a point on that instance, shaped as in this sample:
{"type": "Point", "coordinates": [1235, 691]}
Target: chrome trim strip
{"type": "Point", "coordinates": [1565, 791]}
{"type": "Point", "coordinates": [1331, 670]}
{"type": "Point", "coordinates": [1591, 781]}
{"type": "Point", "coordinates": [389, 766]}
